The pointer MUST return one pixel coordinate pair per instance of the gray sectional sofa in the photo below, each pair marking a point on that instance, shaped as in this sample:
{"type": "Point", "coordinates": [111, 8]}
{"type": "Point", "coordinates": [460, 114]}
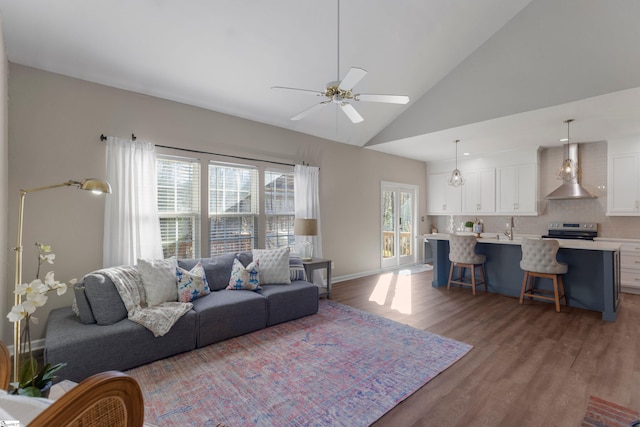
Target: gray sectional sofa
{"type": "Point", "coordinates": [101, 337]}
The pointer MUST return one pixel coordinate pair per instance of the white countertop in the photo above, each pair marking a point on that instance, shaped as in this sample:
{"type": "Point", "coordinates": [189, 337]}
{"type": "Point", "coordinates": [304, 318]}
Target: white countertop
{"type": "Point", "coordinates": [517, 240]}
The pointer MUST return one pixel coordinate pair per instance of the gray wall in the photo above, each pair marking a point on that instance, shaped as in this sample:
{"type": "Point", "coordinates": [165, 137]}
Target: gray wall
{"type": "Point", "coordinates": [54, 128]}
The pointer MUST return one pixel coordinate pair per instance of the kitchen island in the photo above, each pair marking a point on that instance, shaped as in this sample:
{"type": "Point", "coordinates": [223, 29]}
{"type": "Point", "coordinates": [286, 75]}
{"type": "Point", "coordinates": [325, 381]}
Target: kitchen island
{"type": "Point", "coordinates": [592, 282]}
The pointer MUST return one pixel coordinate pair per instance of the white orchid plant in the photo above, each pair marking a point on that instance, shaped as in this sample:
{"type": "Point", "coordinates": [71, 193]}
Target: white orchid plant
{"type": "Point", "coordinates": [31, 379]}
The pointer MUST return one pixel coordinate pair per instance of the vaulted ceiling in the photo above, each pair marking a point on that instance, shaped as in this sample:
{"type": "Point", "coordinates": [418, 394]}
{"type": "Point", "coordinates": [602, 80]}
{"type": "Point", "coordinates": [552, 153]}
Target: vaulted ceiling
{"type": "Point", "coordinates": [496, 74]}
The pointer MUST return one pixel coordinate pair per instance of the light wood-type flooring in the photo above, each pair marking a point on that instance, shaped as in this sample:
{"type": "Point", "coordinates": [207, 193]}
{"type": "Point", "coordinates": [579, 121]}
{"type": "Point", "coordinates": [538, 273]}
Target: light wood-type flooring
{"type": "Point", "coordinates": [530, 366]}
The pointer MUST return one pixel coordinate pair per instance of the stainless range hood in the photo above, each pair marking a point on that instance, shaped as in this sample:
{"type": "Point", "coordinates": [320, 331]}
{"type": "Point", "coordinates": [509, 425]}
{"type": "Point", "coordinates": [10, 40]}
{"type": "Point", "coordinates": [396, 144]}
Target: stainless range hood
{"type": "Point", "coordinates": [571, 188]}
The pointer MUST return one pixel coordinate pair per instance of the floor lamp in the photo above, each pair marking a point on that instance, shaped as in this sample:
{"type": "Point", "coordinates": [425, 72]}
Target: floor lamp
{"type": "Point", "coordinates": [97, 186]}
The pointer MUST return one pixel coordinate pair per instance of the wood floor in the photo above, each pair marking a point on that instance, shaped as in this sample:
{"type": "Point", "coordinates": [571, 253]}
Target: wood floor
{"type": "Point", "coordinates": [530, 366]}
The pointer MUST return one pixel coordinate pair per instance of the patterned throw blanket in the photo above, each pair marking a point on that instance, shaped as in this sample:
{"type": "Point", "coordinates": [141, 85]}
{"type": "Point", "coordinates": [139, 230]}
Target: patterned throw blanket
{"type": "Point", "coordinates": [158, 319]}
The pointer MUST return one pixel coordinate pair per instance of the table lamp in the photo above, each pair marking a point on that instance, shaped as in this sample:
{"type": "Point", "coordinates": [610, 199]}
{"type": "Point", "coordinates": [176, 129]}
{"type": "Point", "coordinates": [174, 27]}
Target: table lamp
{"type": "Point", "coordinates": [306, 227]}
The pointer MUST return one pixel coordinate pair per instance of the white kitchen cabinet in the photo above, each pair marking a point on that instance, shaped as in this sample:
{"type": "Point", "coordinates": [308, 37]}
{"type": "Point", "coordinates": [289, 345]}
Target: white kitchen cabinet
{"type": "Point", "coordinates": [442, 198]}
{"type": "Point", "coordinates": [479, 192]}
{"type": "Point", "coordinates": [517, 189]}
{"type": "Point", "coordinates": [624, 191]}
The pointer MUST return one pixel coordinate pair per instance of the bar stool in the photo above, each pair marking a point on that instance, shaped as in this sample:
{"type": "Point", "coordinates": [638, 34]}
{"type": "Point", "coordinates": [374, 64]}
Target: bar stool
{"type": "Point", "coordinates": [462, 254]}
{"type": "Point", "coordinates": [539, 260]}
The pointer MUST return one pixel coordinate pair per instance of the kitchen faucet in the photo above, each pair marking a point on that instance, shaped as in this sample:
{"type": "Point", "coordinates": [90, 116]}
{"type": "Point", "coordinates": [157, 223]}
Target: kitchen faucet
{"type": "Point", "coordinates": [509, 229]}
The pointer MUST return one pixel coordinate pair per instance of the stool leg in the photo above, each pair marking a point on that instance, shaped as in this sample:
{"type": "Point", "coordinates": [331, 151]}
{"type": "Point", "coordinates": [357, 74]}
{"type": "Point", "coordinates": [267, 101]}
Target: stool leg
{"type": "Point", "coordinates": [524, 286]}
{"type": "Point", "coordinates": [555, 293]}
{"type": "Point", "coordinates": [450, 276]}
{"type": "Point", "coordinates": [484, 280]}
{"type": "Point", "coordinates": [473, 280]}
{"type": "Point", "coordinates": [564, 295]}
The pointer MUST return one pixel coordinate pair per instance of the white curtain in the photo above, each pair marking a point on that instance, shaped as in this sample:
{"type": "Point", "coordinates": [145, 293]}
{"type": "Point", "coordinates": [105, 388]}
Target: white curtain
{"type": "Point", "coordinates": [307, 205]}
{"type": "Point", "coordinates": [131, 222]}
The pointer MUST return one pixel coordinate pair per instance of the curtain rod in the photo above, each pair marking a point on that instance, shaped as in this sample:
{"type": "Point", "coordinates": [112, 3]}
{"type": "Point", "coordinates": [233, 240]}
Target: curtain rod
{"type": "Point", "coordinates": [133, 137]}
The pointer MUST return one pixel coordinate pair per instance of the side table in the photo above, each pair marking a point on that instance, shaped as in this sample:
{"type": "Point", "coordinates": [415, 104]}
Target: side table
{"type": "Point", "coordinates": [315, 264]}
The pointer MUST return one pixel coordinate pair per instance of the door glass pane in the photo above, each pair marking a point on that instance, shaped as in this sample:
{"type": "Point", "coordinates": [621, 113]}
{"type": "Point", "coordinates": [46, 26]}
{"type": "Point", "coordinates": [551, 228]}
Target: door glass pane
{"type": "Point", "coordinates": [388, 221]}
{"type": "Point", "coordinates": [405, 221]}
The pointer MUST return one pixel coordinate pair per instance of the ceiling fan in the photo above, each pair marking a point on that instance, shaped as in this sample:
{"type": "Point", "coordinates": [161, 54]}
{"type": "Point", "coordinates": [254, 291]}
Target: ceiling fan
{"type": "Point", "coordinates": [341, 93]}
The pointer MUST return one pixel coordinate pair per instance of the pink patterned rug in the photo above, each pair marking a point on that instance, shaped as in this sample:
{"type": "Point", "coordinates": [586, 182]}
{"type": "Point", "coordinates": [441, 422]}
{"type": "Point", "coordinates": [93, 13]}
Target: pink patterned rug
{"type": "Point", "coordinates": [340, 367]}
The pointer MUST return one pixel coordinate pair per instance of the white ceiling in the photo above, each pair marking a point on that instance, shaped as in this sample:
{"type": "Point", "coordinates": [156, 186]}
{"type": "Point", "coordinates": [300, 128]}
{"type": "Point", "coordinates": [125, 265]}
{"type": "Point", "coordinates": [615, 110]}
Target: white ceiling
{"type": "Point", "coordinates": [224, 55]}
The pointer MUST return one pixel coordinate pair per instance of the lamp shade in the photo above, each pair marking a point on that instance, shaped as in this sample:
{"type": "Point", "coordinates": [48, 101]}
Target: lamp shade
{"type": "Point", "coordinates": [305, 227]}
{"type": "Point", "coordinates": [95, 185]}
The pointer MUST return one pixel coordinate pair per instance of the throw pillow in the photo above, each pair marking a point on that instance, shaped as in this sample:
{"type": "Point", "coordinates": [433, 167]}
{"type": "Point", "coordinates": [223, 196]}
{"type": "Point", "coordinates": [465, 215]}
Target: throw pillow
{"type": "Point", "coordinates": [296, 268]}
{"type": "Point", "coordinates": [82, 304]}
{"type": "Point", "coordinates": [192, 284]}
{"type": "Point", "coordinates": [244, 277]}
{"type": "Point", "coordinates": [216, 268]}
{"type": "Point", "coordinates": [274, 266]}
{"type": "Point", "coordinates": [159, 280]}
{"type": "Point", "coordinates": [105, 302]}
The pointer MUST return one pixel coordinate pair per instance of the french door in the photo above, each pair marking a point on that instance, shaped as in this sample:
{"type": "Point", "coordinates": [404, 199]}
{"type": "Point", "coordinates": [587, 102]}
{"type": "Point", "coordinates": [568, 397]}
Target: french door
{"type": "Point", "coordinates": [399, 225]}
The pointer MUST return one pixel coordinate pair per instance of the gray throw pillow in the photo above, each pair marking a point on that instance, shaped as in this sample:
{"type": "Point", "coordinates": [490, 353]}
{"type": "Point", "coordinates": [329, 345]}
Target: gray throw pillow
{"type": "Point", "coordinates": [82, 303]}
{"type": "Point", "coordinates": [104, 299]}
{"type": "Point", "coordinates": [217, 269]}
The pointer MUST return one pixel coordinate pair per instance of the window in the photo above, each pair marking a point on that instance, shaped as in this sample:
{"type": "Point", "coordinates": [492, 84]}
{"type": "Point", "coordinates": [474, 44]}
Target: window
{"type": "Point", "coordinates": [179, 206]}
{"type": "Point", "coordinates": [279, 209]}
{"type": "Point", "coordinates": [233, 208]}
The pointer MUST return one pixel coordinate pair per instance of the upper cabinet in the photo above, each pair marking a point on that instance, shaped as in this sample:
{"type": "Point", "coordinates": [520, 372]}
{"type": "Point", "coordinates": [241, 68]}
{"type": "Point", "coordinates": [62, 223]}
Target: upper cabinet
{"type": "Point", "coordinates": [623, 177]}
{"type": "Point", "coordinates": [442, 198]}
{"type": "Point", "coordinates": [479, 192]}
{"type": "Point", "coordinates": [493, 185]}
{"type": "Point", "coordinates": [517, 190]}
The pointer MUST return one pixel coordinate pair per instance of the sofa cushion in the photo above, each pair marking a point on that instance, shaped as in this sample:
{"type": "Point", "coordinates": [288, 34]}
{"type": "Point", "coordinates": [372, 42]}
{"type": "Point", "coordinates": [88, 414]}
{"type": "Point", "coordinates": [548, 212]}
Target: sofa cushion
{"type": "Point", "coordinates": [89, 349]}
{"type": "Point", "coordinates": [217, 269]}
{"type": "Point", "coordinates": [286, 303]}
{"type": "Point", "coordinates": [226, 314]}
{"type": "Point", "coordinates": [192, 284]}
{"type": "Point", "coordinates": [274, 265]}
{"type": "Point", "coordinates": [82, 304]}
{"type": "Point", "coordinates": [159, 280]}
{"type": "Point", "coordinates": [106, 305]}
{"type": "Point", "coordinates": [247, 278]}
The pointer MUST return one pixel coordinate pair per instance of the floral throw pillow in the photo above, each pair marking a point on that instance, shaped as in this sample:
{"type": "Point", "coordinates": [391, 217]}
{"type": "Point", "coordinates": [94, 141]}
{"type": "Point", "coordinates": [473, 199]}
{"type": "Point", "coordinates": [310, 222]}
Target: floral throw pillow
{"type": "Point", "coordinates": [192, 284]}
{"type": "Point", "coordinates": [244, 277]}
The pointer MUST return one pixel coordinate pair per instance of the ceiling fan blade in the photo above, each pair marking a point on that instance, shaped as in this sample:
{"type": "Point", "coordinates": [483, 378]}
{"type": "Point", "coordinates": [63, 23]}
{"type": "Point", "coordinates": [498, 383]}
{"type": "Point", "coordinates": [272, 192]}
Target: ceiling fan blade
{"type": "Point", "coordinates": [352, 78]}
{"type": "Point", "coordinates": [391, 99]}
{"type": "Point", "coordinates": [351, 112]}
{"type": "Point", "coordinates": [308, 111]}
{"type": "Point", "coordinates": [310, 92]}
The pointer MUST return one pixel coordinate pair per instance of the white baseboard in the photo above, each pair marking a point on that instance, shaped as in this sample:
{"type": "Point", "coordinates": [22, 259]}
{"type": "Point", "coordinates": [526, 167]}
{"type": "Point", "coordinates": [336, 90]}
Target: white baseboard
{"type": "Point", "coordinates": [35, 346]}
{"type": "Point", "coordinates": [370, 273]}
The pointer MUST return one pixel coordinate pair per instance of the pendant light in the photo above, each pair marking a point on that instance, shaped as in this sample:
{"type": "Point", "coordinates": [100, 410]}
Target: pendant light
{"type": "Point", "coordinates": [569, 170]}
{"type": "Point", "coordinates": [456, 179]}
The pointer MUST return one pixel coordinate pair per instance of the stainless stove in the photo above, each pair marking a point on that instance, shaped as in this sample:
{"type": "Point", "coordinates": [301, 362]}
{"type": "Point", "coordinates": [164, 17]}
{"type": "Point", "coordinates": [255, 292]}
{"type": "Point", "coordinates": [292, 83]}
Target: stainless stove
{"type": "Point", "coordinates": [572, 230]}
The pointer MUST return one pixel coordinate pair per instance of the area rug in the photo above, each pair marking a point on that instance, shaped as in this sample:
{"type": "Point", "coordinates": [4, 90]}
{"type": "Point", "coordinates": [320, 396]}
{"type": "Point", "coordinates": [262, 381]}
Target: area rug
{"type": "Point", "coordinates": [340, 367]}
{"type": "Point", "coordinates": [602, 413]}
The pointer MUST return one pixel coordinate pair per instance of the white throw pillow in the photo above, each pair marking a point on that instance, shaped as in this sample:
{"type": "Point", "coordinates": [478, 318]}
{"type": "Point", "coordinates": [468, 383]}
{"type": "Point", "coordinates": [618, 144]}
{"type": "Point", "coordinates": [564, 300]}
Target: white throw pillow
{"type": "Point", "coordinates": [274, 266]}
{"type": "Point", "coordinates": [159, 280]}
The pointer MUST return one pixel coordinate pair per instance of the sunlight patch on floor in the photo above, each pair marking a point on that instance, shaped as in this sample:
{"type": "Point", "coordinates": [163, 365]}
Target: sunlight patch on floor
{"type": "Point", "coordinates": [395, 286]}
{"type": "Point", "coordinates": [379, 294]}
{"type": "Point", "coordinates": [402, 298]}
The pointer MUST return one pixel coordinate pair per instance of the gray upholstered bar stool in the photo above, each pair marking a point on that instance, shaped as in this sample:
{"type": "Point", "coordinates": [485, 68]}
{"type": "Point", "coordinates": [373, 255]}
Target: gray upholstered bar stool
{"type": "Point", "coordinates": [462, 255]}
{"type": "Point", "coordinates": [539, 260]}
